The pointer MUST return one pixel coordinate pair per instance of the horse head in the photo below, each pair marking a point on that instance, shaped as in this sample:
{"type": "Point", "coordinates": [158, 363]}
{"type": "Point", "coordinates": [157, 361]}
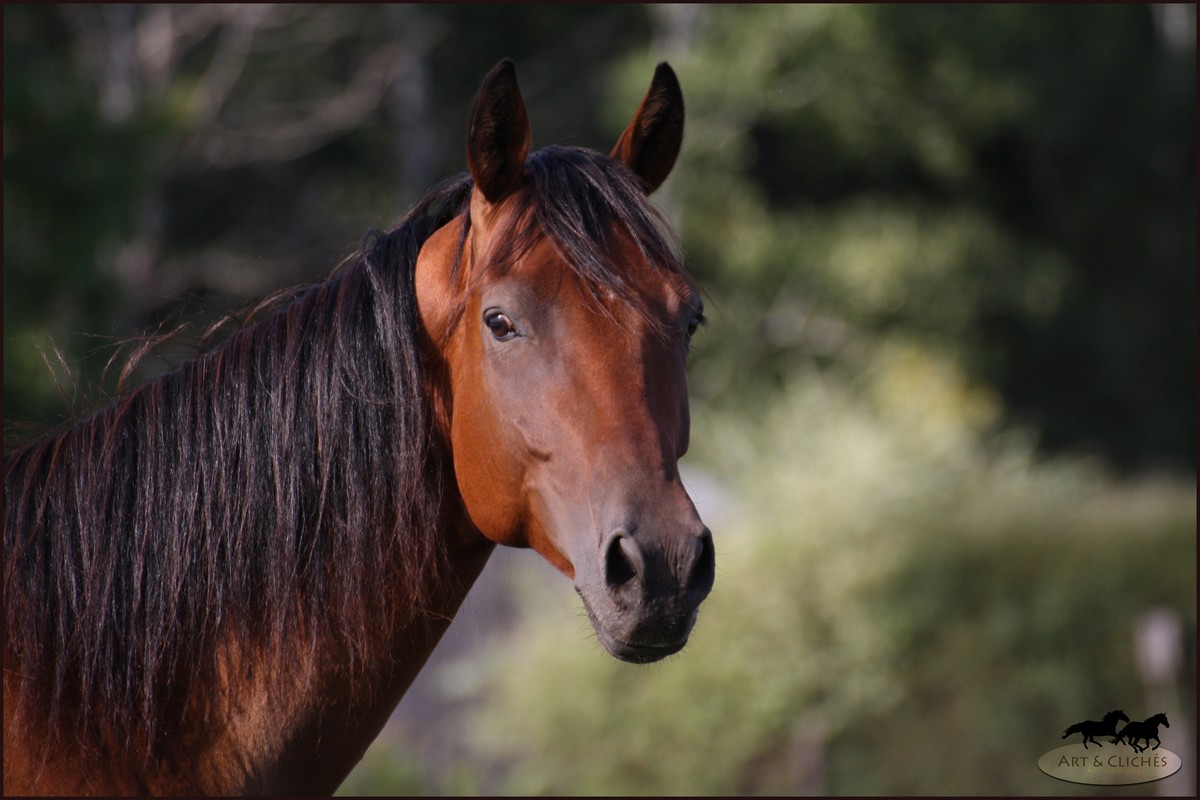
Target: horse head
{"type": "Point", "coordinates": [559, 324]}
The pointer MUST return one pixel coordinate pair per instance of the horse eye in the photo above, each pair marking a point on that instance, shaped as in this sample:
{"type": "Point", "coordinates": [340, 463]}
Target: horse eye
{"type": "Point", "coordinates": [502, 327]}
{"type": "Point", "coordinates": [695, 323]}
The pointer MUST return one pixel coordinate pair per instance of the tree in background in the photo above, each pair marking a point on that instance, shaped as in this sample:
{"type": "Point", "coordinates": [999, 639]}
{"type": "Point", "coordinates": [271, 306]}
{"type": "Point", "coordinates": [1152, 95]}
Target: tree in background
{"type": "Point", "coordinates": [1005, 187]}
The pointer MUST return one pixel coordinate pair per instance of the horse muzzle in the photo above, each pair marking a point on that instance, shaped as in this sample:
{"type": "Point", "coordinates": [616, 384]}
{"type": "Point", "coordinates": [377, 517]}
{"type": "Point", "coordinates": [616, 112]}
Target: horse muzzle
{"type": "Point", "coordinates": [643, 591]}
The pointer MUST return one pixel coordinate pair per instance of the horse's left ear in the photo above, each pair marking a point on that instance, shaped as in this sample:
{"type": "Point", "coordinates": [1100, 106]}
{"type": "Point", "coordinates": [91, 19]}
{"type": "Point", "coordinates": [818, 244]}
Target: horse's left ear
{"type": "Point", "coordinates": [650, 145]}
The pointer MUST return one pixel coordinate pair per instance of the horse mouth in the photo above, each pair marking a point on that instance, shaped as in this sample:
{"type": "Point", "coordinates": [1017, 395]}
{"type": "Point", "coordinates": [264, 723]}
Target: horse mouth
{"type": "Point", "coordinates": [642, 653]}
{"type": "Point", "coordinates": [636, 646]}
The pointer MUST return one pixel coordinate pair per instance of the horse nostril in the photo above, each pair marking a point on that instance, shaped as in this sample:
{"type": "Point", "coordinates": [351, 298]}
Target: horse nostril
{"type": "Point", "coordinates": [620, 561]}
{"type": "Point", "coordinates": [700, 582]}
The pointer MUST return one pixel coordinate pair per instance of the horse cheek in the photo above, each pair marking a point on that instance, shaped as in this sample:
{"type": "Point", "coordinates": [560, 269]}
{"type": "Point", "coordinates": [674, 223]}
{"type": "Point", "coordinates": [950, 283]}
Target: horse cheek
{"type": "Point", "coordinates": [488, 479]}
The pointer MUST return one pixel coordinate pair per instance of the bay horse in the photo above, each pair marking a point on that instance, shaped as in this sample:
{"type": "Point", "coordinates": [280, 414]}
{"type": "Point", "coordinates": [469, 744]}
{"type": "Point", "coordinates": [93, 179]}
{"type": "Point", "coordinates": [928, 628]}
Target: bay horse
{"type": "Point", "coordinates": [1090, 728]}
{"type": "Point", "coordinates": [224, 582]}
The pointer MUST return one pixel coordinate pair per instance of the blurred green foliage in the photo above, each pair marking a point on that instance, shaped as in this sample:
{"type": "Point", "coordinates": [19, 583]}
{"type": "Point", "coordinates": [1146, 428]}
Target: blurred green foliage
{"type": "Point", "coordinates": [1011, 186]}
{"type": "Point", "coordinates": [950, 260]}
{"type": "Point", "coordinates": [71, 183]}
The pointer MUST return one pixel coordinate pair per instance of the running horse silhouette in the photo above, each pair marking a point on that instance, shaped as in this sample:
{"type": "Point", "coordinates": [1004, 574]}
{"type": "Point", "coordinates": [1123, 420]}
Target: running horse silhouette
{"type": "Point", "coordinates": [1090, 728]}
{"type": "Point", "coordinates": [224, 582]}
{"type": "Point", "coordinates": [1147, 730]}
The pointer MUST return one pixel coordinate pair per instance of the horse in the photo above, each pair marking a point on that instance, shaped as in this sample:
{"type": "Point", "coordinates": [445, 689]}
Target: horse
{"type": "Point", "coordinates": [224, 582]}
{"type": "Point", "coordinates": [1147, 730]}
{"type": "Point", "coordinates": [1090, 728]}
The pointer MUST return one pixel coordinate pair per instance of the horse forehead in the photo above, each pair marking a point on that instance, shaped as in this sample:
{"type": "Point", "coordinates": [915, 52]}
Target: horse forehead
{"type": "Point", "coordinates": [657, 288]}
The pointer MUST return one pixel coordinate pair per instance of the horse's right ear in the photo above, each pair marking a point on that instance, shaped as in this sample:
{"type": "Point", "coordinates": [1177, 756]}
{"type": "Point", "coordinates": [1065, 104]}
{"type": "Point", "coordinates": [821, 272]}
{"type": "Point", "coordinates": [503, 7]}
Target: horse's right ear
{"type": "Point", "coordinates": [498, 136]}
{"type": "Point", "coordinates": [650, 145]}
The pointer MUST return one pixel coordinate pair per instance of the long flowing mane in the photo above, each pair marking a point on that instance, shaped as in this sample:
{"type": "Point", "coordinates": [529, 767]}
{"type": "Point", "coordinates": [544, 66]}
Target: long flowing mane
{"type": "Point", "coordinates": [260, 493]}
{"type": "Point", "coordinates": [281, 490]}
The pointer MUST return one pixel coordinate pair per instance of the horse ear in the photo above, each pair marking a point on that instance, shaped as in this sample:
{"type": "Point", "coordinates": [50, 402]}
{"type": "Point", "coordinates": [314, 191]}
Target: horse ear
{"type": "Point", "coordinates": [498, 136]}
{"type": "Point", "coordinates": [650, 145]}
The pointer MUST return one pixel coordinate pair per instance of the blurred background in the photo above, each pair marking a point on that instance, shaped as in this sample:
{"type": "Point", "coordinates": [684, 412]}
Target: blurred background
{"type": "Point", "coordinates": [944, 412]}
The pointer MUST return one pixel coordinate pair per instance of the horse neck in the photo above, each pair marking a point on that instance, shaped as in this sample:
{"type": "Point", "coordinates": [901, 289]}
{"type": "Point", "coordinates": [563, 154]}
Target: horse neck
{"type": "Point", "coordinates": [297, 719]}
{"type": "Point", "coordinates": [300, 728]}
{"type": "Point", "coordinates": [296, 728]}
{"type": "Point", "coordinates": [287, 727]}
